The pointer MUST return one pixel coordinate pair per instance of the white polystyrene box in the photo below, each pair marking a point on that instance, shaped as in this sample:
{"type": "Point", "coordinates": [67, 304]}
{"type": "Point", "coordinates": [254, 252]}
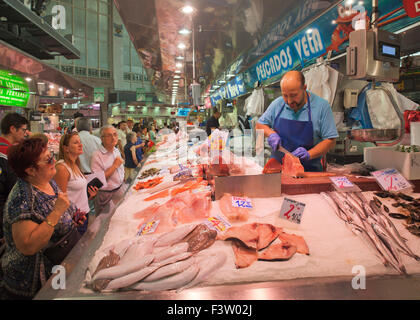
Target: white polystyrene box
{"type": "Point", "coordinates": [408, 164]}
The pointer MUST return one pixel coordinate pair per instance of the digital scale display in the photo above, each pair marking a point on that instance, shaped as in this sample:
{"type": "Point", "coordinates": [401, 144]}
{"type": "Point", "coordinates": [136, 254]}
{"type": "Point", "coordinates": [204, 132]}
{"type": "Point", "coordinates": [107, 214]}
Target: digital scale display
{"type": "Point", "coordinates": [389, 50]}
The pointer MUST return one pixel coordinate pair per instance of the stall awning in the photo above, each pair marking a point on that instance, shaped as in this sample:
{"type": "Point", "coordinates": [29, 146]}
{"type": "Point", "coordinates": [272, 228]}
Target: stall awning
{"type": "Point", "coordinates": [30, 33]}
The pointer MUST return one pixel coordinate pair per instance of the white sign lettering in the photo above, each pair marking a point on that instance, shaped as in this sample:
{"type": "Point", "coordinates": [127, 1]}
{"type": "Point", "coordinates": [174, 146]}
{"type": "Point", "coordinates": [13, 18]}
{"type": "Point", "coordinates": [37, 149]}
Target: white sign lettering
{"type": "Point", "coordinates": [59, 20]}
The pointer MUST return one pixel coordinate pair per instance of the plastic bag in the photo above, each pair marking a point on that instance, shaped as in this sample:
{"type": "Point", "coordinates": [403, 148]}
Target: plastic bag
{"type": "Point", "coordinates": [254, 104]}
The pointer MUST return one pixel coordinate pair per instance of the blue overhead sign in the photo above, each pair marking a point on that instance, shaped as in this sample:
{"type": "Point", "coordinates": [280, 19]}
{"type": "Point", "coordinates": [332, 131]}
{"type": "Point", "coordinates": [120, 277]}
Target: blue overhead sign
{"type": "Point", "coordinates": [305, 46]}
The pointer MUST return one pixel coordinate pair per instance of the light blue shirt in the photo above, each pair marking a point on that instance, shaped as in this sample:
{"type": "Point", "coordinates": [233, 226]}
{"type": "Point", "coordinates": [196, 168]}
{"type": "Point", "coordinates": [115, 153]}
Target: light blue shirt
{"type": "Point", "coordinates": [322, 116]}
{"type": "Point", "coordinates": [90, 144]}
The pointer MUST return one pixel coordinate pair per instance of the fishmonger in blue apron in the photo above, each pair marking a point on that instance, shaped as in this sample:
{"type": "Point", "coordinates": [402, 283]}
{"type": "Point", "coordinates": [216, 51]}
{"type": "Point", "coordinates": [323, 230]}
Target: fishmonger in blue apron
{"type": "Point", "coordinates": [301, 122]}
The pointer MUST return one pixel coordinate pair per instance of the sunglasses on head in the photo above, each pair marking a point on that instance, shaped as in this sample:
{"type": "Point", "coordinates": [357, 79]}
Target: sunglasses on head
{"type": "Point", "coordinates": [50, 159]}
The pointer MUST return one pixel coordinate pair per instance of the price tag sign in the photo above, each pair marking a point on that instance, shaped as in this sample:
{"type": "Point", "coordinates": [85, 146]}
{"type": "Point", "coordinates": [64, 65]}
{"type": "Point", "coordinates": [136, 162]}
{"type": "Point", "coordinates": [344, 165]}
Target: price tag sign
{"type": "Point", "coordinates": [218, 223]}
{"type": "Point", "coordinates": [241, 202]}
{"type": "Point", "coordinates": [391, 180]}
{"type": "Point", "coordinates": [342, 182]}
{"type": "Point", "coordinates": [148, 227]}
{"type": "Point", "coordinates": [292, 210]}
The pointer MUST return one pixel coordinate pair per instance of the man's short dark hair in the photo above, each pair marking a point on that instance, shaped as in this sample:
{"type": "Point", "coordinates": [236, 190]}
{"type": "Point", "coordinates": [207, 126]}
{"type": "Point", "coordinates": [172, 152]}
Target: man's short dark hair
{"type": "Point", "coordinates": [301, 78]}
{"type": "Point", "coordinates": [215, 110]}
{"type": "Point", "coordinates": [12, 119]}
{"type": "Point", "coordinates": [83, 124]}
{"type": "Point", "coordinates": [78, 115]}
{"type": "Point", "coordinates": [120, 123]}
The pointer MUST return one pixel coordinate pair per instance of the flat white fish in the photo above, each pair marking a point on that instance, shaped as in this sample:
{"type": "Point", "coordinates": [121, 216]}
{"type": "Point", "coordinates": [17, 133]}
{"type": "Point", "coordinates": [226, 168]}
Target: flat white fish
{"type": "Point", "coordinates": [170, 283]}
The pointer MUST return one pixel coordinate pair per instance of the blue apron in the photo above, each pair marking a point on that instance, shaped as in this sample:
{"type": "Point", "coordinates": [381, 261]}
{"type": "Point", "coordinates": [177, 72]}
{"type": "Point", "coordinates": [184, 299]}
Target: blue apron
{"type": "Point", "coordinates": [295, 134]}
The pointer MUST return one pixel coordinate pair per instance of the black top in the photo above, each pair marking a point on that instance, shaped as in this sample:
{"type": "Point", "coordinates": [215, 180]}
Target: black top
{"type": "Point", "coordinates": [212, 123]}
{"type": "Point", "coordinates": [7, 181]}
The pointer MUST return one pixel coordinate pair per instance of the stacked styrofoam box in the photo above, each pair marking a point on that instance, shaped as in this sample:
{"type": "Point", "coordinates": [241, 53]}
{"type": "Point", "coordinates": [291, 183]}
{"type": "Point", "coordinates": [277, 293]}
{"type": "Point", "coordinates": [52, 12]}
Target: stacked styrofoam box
{"type": "Point", "coordinates": [408, 164]}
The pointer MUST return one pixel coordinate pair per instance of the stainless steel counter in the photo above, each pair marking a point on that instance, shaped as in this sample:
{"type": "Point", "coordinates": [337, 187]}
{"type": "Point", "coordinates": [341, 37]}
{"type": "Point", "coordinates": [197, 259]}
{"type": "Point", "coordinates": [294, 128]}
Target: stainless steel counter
{"type": "Point", "coordinates": [377, 287]}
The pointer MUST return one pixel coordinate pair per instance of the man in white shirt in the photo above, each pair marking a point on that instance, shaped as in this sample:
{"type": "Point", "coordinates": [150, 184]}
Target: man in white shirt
{"type": "Point", "coordinates": [90, 143]}
{"type": "Point", "coordinates": [108, 160]}
{"type": "Point", "coordinates": [122, 137]}
{"type": "Point", "coordinates": [130, 125]}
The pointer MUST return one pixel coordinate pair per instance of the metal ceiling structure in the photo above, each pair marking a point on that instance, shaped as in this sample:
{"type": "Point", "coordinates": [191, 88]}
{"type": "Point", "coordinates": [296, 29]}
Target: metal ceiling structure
{"type": "Point", "coordinates": [224, 29]}
{"type": "Point", "coordinates": [23, 29]}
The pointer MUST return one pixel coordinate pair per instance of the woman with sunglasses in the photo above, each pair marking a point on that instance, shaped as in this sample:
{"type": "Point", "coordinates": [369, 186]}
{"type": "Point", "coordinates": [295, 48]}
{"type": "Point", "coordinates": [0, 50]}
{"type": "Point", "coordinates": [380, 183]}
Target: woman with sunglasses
{"type": "Point", "coordinates": [37, 217]}
{"type": "Point", "coordinates": [70, 178]}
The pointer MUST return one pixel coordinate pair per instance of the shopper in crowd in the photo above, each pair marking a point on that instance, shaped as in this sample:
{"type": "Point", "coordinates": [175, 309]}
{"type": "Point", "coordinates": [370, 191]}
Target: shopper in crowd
{"type": "Point", "coordinates": [37, 216]}
{"type": "Point", "coordinates": [76, 117]}
{"type": "Point", "coordinates": [90, 143]}
{"type": "Point", "coordinates": [139, 144]}
{"type": "Point", "coordinates": [108, 160]}
{"type": "Point", "coordinates": [213, 122]}
{"type": "Point", "coordinates": [136, 127]}
{"type": "Point", "coordinates": [69, 176]}
{"type": "Point", "coordinates": [130, 125]}
{"type": "Point", "coordinates": [300, 121]}
{"type": "Point", "coordinates": [122, 136]}
{"type": "Point", "coordinates": [14, 129]}
{"type": "Point", "coordinates": [41, 136]}
{"type": "Point", "coordinates": [152, 134]}
{"type": "Point", "coordinates": [131, 161]}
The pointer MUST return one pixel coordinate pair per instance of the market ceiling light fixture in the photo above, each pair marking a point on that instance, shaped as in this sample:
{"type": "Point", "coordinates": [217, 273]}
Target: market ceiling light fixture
{"type": "Point", "coordinates": [67, 91]}
{"type": "Point", "coordinates": [51, 86]}
{"type": "Point", "coordinates": [184, 31]}
{"type": "Point", "coordinates": [187, 9]}
{"type": "Point", "coordinates": [178, 65]}
{"type": "Point", "coordinates": [28, 79]}
{"type": "Point", "coordinates": [180, 58]}
{"type": "Point", "coordinates": [177, 71]}
{"type": "Point", "coordinates": [177, 77]}
{"type": "Point", "coordinates": [60, 89]}
{"type": "Point", "coordinates": [181, 46]}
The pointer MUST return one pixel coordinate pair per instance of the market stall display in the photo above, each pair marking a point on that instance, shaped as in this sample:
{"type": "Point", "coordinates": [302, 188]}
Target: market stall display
{"type": "Point", "coordinates": [179, 237]}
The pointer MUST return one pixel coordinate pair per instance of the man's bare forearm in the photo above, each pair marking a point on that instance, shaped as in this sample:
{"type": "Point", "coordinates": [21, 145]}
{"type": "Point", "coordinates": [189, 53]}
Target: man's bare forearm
{"type": "Point", "coordinates": [322, 148]}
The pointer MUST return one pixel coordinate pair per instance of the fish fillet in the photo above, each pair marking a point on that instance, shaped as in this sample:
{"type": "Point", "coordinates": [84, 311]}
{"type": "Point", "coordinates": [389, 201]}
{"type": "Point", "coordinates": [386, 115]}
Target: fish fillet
{"type": "Point", "coordinates": [200, 238]}
{"type": "Point", "coordinates": [295, 240]}
{"type": "Point", "coordinates": [283, 251]}
{"type": "Point", "coordinates": [234, 214]}
{"type": "Point", "coordinates": [244, 256]}
{"type": "Point", "coordinates": [247, 233]}
{"type": "Point", "coordinates": [292, 166]}
{"type": "Point", "coordinates": [147, 213]}
{"type": "Point", "coordinates": [272, 166]}
{"type": "Point", "coordinates": [267, 233]}
{"type": "Point", "coordinates": [159, 195]}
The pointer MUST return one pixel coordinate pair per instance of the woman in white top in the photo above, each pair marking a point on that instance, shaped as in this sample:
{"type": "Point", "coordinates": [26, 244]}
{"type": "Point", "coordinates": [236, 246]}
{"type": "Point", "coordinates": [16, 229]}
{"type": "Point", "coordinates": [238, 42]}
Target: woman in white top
{"type": "Point", "coordinates": [70, 178]}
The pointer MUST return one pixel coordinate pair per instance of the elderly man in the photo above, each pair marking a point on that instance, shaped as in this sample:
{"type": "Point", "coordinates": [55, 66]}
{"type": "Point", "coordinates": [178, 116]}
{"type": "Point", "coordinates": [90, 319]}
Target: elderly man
{"type": "Point", "coordinates": [108, 159]}
{"type": "Point", "coordinates": [90, 143]}
{"type": "Point", "coordinates": [300, 121]}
